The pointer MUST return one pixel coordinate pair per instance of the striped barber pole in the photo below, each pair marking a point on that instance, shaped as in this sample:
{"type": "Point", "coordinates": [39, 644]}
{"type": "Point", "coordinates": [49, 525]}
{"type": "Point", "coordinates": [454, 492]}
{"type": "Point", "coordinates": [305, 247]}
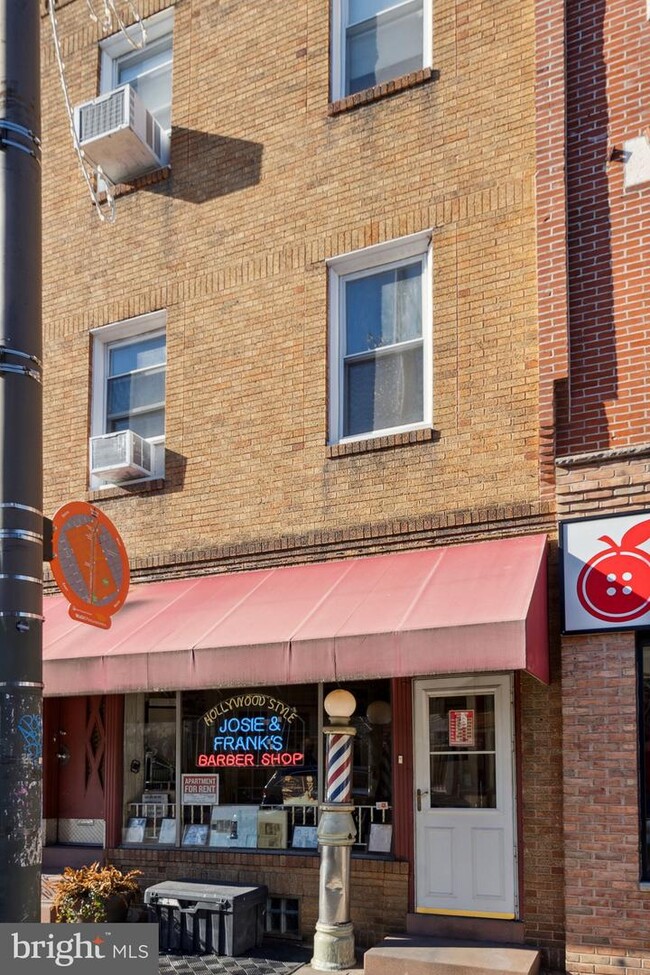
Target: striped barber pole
{"type": "Point", "coordinates": [339, 769]}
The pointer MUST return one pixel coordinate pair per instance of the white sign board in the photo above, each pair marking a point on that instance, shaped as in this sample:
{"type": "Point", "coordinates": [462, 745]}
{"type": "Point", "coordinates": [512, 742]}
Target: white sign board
{"type": "Point", "coordinates": [200, 790]}
{"type": "Point", "coordinates": [606, 573]}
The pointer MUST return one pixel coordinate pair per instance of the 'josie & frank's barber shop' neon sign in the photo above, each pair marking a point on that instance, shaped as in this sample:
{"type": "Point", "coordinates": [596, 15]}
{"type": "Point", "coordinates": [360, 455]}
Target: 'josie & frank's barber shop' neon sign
{"type": "Point", "coordinates": [249, 731]}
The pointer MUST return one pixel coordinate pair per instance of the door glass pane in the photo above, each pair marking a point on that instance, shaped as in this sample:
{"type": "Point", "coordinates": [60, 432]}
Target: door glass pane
{"type": "Point", "coordinates": [383, 48]}
{"type": "Point", "coordinates": [383, 392]}
{"type": "Point", "coordinates": [462, 751]}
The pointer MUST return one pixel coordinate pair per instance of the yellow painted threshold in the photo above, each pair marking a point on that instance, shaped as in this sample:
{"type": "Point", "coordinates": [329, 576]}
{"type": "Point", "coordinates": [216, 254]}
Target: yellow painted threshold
{"type": "Point", "coordinates": [452, 913]}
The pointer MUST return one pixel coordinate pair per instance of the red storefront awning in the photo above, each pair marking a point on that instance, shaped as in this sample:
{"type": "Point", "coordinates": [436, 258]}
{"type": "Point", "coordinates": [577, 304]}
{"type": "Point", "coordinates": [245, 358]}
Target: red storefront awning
{"type": "Point", "coordinates": [455, 609]}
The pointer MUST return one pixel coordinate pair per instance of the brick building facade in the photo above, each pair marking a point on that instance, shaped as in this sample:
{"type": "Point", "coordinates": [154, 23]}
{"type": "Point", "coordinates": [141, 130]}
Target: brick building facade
{"type": "Point", "coordinates": [602, 469]}
{"type": "Point", "coordinates": [293, 184]}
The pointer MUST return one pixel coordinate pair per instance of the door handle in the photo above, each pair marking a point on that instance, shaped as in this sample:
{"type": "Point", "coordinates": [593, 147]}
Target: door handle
{"type": "Point", "coordinates": [419, 794]}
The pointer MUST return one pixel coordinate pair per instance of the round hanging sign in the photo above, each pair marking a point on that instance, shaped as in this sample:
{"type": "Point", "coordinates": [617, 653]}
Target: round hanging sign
{"type": "Point", "coordinates": [89, 563]}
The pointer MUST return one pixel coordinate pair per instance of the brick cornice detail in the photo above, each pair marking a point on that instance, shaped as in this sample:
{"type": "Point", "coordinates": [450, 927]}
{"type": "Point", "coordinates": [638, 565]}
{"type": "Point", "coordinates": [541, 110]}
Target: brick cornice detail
{"type": "Point", "coordinates": [448, 528]}
{"type": "Point", "coordinates": [604, 456]}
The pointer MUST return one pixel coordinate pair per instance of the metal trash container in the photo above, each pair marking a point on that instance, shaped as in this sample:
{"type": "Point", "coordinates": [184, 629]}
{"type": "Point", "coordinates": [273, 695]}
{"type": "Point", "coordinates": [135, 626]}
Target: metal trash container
{"type": "Point", "coordinates": [206, 918]}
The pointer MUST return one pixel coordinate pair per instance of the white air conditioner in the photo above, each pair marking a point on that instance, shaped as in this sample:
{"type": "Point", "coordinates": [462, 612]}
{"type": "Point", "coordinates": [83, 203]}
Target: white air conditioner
{"type": "Point", "coordinates": [120, 456]}
{"type": "Point", "coordinates": [119, 134]}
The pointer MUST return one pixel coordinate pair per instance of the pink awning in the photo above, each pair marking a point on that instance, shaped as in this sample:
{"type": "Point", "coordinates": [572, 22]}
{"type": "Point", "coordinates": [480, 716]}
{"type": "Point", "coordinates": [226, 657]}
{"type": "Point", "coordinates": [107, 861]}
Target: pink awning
{"type": "Point", "coordinates": [455, 609]}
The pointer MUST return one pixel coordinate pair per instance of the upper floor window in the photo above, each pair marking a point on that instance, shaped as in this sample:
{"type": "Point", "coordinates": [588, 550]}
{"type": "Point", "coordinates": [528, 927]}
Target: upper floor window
{"type": "Point", "coordinates": [135, 385]}
{"type": "Point", "coordinates": [377, 40]}
{"type": "Point", "coordinates": [148, 69]}
{"type": "Point", "coordinates": [128, 394]}
{"type": "Point", "coordinates": [380, 339]}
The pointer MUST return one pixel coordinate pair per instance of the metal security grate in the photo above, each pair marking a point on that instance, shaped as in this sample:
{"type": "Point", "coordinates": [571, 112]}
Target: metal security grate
{"type": "Point", "coordinates": [283, 917]}
{"type": "Point", "coordinates": [102, 116]}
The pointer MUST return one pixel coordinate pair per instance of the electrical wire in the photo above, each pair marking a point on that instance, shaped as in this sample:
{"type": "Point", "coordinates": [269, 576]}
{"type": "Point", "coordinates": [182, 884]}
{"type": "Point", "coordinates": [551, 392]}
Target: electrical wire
{"type": "Point", "coordinates": [111, 15]}
{"type": "Point", "coordinates": [92, 174]}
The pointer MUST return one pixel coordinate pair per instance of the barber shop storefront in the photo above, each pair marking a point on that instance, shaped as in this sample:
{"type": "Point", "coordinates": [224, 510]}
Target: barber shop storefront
{"type": "Point", "coordinates": [188, 740]}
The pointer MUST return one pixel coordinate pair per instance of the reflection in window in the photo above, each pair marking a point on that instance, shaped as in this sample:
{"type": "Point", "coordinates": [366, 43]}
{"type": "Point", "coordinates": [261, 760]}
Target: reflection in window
{"type": "Point", "coordinates": [380, 339]}
{"type": "Point", "coordinates": [249, 767]}
{"type": "Point", "coordinates": [150, 768]}
{"type": "Point", "coordinates": [384, 40]}
{"type": "Point", "coordinates": [135, 386]}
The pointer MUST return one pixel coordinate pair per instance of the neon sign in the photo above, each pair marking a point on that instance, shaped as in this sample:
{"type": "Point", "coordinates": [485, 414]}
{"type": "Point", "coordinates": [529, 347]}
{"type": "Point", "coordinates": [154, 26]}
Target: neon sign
{"type": "Point", "coordinates": [249, 760]}
{"type": "Point", "coordinates": [241, 701]}
{"type": "Point", "coordinates": [250, 740]}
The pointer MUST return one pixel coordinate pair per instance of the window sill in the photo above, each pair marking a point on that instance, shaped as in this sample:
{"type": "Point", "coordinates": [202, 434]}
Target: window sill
{"type": "Point", "coordinates": [148, 179]}
{"type": "Point", "coordinates": [375, 94]}
{"type": "Point", "coordinates": [126, 490]}
{"type": "Point", "coordinates": [406, 439]}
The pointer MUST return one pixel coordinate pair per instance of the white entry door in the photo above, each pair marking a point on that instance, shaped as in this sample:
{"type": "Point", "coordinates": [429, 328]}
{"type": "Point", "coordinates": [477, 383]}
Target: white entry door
{"type": "Point", "coordinates": [464, 803]}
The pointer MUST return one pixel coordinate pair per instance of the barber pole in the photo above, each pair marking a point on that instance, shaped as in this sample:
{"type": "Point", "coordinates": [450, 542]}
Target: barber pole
{"type": "Point", "coordinates": [334, 937]}
{"type": "Point", "coordinates": [339, 769]}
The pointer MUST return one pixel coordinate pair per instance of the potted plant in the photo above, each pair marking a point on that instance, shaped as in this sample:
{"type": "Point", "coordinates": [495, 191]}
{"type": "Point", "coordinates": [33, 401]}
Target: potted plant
{"type": "Point", "coordinates": [95, 893]}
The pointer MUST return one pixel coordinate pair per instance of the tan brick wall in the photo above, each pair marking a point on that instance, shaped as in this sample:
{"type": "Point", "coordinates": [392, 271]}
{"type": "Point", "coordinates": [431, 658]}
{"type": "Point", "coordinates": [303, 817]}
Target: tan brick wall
{"type": "Point", "coordinates": [378, 888]}
{"type": "Point", "coordinates": [264, 187]}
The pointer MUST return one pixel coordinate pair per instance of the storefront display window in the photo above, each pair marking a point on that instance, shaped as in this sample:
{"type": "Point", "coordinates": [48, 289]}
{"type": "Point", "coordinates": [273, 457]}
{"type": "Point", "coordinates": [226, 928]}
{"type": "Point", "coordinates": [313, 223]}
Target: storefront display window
{"type": "Point", "coordinates": [150, 768]}
{"type": "Point", "coordinates": [251, 766]}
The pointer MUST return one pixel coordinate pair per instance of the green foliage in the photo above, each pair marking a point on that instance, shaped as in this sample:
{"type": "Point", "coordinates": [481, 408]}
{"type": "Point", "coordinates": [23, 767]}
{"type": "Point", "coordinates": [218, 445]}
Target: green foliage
{"type": "Point", "coordinates": [83, 895]}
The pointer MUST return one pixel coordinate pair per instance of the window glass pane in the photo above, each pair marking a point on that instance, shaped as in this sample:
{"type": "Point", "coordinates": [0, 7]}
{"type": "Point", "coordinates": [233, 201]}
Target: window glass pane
{"type": "Point", "coordinates": [249, 764]}
{"type": "Point", "coordinates": [462, 781]}
{"type": "Point", "coordinates": [130, 66]}
{"type": "Point", "coordinates": [154, 90]}
{"type": "Point", "coordinates": [462, 746]}
{"type": "Point", "coordinates": [149, 768]}
{"type": "Point", "coordinates": [383, 392]}
{"type": "Point", "coordinates": [482, 705]}
{"type": "Point", "coordinates": [372, 757]}
{"type": "Point", "coordinates": [134, 391]}
{"type": "Point", "coordinates": [136, 355]}
{"type": "Point", "coordinates": [379, 50]}
{"type": "Point", "coordinates": [150, 74]}
{"type": "Point", "coordinates": [149, 424]}
{"type": "Point", "coordinates": [384, 308]}
{"type": "Point", "coordinates": [359, 10]}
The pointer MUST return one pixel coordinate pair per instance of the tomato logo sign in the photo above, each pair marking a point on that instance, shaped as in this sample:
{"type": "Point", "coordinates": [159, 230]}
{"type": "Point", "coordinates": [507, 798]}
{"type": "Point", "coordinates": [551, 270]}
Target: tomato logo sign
{"type": "Point", "coordinates": [607, 573]}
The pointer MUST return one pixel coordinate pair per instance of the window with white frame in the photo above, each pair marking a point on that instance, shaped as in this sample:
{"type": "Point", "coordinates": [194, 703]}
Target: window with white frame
{"type": "Point", "coordinates": [380, 339]}
{"type": "Point", "coordinates": [377, 40]}
{"type": "Point", "coordinates": [148, 68]}
{"type": "Point", "coordinates": [128, 393]}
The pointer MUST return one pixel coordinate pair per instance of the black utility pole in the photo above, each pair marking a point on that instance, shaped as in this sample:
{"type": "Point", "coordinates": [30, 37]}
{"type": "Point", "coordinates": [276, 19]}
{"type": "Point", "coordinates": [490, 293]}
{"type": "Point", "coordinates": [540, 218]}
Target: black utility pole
{"type": "Point", "coordinates": [21, 465]}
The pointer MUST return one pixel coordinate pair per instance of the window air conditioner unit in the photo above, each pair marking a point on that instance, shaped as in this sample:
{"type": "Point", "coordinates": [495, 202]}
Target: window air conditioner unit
{"type": "Point", "coordinates": [121, 456]}
{"type": "Point", "coordinates": [117, 133]}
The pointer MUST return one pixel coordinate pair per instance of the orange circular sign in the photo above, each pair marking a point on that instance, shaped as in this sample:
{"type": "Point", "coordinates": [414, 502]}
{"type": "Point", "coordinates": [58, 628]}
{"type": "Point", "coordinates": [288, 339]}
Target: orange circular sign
{"type": "Point", "coordinates": [90, 564]}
